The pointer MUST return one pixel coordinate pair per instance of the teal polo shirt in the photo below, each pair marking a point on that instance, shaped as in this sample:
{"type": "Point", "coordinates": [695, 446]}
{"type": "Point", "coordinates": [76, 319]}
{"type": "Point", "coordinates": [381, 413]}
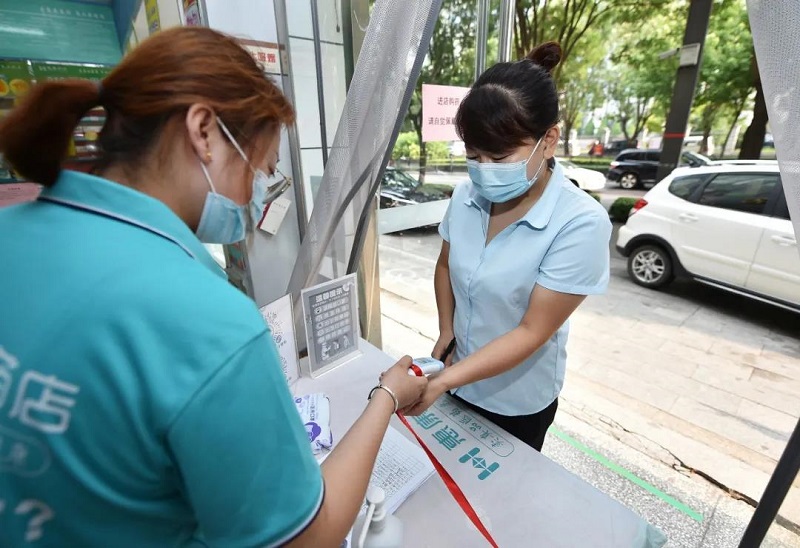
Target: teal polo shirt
{"type": "Point", "coordinates": [561, 244]}
{"type": "Point", "coordinates": [142, 401]}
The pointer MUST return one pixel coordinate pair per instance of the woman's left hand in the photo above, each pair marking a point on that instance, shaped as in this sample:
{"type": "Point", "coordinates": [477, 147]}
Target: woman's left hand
{"type": "Point", "coordinates": [433, 391]}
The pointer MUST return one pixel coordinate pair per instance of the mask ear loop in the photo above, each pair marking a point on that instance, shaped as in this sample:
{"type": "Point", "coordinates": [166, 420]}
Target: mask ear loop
{"type": "Point", "coordinates": [208, 177]}
{"type": "Point", "coordinates": [235, 144]}
{"type": "Point", "coordinates": [539, 142]}
{"type": "Point", "coordinates": [275, 190]}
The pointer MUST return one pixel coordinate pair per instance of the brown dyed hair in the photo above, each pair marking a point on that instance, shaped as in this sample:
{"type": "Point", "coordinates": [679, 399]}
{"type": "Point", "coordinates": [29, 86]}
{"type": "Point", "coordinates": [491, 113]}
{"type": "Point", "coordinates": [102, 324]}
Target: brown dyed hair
{"type": "Point", "coordinates": [511, 103]}
{"type": "Point", "coordinates": [152, 86]}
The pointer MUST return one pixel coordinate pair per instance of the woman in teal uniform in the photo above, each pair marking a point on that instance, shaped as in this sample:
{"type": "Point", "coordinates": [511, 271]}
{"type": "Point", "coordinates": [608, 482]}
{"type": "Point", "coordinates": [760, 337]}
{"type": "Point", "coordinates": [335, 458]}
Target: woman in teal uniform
{"type": "Point", "coordinates": [523, 247]}
{"type": "Point", "coordinates": [141, 398]}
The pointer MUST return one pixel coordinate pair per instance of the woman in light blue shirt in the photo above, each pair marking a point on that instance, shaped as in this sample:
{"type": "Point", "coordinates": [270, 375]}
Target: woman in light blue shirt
{"type": "Point", "coordinates": [142, 402]}
{"type": "Point", "coordinates": [523, 247]}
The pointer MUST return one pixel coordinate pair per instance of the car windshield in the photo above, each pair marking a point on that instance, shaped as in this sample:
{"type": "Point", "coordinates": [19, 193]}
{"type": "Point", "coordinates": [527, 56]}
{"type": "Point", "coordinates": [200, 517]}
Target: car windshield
{"type": "Point", "coordinates": [400, 180]}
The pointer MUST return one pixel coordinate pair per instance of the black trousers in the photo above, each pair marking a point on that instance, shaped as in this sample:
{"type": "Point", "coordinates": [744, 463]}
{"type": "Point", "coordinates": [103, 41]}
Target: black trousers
{"type": "Point", "coordinates": [530, 429]}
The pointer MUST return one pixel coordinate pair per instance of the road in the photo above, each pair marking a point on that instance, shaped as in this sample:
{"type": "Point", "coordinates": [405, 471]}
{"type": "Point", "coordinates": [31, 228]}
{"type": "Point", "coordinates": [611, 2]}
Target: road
{"type": "Point", "coordinates": [674, 400]}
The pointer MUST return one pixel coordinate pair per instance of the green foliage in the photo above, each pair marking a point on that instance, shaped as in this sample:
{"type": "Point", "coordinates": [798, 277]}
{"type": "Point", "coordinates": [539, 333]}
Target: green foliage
{"type": "Point", "coordinates": [581, 88]}
{"type": "Point", "coordinates": [438, 151]}
{"type": "Point", "coordinates": [641, 83]}
{"type": "Point", "coordinates": [600, 164]}
{"type": "Point", "coordinates": [726, 80]}
{"type": "Point", "coordinates": [406, 146]}
{"type": "Point", "coordinates": [611, 58]}
{"type": "Point", "coordinates": [621, 209]}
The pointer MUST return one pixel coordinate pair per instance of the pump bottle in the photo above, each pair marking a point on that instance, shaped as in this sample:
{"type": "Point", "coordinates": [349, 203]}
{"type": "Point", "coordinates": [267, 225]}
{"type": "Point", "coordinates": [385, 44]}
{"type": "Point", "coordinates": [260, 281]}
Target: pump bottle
{"type": "Point", "coordinates": [378, 529]}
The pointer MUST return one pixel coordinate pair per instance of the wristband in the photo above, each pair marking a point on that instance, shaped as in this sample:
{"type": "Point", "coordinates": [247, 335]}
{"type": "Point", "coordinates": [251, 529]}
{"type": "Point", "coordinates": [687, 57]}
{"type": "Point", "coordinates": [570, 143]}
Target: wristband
{"type": "Point", "coordinates": [388, 391]}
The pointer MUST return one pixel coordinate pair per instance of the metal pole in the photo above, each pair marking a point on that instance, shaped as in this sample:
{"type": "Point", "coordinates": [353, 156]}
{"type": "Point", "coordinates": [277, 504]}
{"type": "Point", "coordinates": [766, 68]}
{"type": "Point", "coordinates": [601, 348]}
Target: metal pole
{"type": "Point", "coordinates": [685, 84]}
{"type": "Point", "coordinates": [506, 29]}
{"type": "Point", "coordinates": [294, 140]}
{"type": "Point", "coordinates": [323, 126]}
{"type": "Point", "coordinates": [481, 37]}
{"type": "Point", "coordinates": [776, 490]}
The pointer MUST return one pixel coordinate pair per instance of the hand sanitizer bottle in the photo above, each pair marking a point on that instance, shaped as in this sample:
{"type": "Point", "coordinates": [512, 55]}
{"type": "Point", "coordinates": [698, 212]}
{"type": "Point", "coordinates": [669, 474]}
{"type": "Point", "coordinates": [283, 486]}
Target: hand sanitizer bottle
{"type": "Point", "coordinates": [378, 529]}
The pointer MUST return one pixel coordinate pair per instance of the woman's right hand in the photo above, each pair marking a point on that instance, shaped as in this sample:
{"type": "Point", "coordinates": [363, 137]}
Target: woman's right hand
{"type": "Point", "coordinates": [407, 388]}
{"type": "Point", "coordinates": [441, 346]}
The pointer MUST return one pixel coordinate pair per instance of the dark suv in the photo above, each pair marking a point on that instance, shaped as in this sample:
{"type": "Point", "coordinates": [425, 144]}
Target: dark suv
{"type": "Point", "coordinates": [636, 167]}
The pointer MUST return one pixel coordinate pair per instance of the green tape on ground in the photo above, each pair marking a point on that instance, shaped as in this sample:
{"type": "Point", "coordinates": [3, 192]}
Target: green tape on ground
{"type": "Point", "coordinates": [630, 476]}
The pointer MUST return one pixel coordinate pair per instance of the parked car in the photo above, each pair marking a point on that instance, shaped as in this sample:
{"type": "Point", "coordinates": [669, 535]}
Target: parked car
{"type": "Point", "coordinates": [398, 188]}
{"type": "Point", "coordinates": [636, 167]}
{"type": "Point", "coordinates": [615, 147]}
{"type": "Point", "coordinates": [586, 179]}
{"type": "Point", "coordinates": [727, 226]}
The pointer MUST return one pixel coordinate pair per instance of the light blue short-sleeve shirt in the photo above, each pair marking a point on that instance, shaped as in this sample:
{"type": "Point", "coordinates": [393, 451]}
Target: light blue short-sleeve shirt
{"type": "Point", "coordinates": [561, 244]}
{"type": "Point", "coordinates": [141, 398]}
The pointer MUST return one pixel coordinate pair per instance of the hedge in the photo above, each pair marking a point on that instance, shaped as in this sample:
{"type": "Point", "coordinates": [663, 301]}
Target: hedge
{"type": "Point", "coordinates": [621, 208]}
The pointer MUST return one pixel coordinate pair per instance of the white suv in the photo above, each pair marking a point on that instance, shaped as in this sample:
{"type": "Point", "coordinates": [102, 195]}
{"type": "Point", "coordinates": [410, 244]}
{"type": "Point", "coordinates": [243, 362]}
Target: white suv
{"type": "Point", "coordinates": [724, 225]}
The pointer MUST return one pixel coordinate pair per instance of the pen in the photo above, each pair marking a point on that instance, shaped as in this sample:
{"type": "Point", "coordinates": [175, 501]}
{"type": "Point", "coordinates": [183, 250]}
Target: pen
{"type": "Point", "coordinates": [448, 350]}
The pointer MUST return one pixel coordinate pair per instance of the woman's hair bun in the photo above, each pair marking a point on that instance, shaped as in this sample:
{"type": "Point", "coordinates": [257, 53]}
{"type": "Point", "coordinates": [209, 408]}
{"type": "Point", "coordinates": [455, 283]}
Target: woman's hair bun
{"type": "Point", "coordinates": [547, 55]}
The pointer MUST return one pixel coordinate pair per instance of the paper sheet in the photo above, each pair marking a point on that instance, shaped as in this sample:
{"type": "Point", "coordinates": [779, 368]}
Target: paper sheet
{"type": "Point", "coordinates": [278, 316]}
{"type": "Point", "coordinates": [401, 468]}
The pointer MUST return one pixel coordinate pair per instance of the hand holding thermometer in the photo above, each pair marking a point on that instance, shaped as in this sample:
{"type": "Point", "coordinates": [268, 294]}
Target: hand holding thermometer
{"type": "Point", "coordinates": [422, 367]}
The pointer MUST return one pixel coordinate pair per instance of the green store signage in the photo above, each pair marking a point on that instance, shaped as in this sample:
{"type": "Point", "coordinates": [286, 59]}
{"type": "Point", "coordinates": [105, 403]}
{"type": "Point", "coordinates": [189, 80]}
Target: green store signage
{"type": "Point", "coordinates": [58, 30]}
{"type": "Point", "coordinates": [56, 71]}
{"type": "Point", "coordinates": [15, 77]}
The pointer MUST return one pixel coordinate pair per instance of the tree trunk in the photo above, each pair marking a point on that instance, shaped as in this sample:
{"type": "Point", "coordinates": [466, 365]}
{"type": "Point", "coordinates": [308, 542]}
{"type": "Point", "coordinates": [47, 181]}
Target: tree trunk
{"type": "Point", "coordinates": [567, 131]}
{"type": "Point", "coordinates": [423, 160]}
{"type": "Point", "coordinates": [738, 113]}
{"type": "Point", "coordinates": [707, 124]}
{"type": "Point", "coordinates": [416, 121]}
{"type": "Point", "coordinates": [623, 124]}
{"type": "Point", "coordinates": [704, 141]}
{"type": "Point", "coordinates": [753, 140]}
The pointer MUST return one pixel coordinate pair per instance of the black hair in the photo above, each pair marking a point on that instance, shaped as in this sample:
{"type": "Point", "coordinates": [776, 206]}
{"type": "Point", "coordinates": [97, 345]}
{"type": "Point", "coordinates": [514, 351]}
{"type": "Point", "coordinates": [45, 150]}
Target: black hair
{"type": "Point", "coordinates": [511, 103]}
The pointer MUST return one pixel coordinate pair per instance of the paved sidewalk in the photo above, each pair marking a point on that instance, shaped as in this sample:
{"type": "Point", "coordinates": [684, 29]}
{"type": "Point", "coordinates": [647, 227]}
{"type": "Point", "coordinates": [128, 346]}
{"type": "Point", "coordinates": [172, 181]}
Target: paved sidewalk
{"type": "Point", "coordinates": [705, 382]}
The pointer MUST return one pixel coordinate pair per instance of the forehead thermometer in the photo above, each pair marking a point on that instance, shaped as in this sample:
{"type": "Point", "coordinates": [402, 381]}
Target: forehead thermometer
{"type": "Point", "coordinates": [422, 367]}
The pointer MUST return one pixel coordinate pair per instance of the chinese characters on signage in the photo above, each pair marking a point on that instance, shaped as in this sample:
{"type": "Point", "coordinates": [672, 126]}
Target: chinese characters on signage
{"type": "Point", "coordinates": [59, 30]}
{"type": "Point", "coordinates": [458, 430]}
{"type": "Point", "coordinates": [331, 313]}
{"type": "Point", "coordinates": [439, 108]}
{"type": "Point", "coordinates": [70, 12]}
{"type": "Point", "coordinates": [266, 54]}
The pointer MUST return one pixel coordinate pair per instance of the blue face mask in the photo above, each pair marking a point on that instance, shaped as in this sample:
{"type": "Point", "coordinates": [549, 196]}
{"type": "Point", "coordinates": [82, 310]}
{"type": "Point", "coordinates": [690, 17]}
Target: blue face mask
{"type": "Point", "coordinates": [223, 221]}
{"type": "Point", "coordinates": [502, 182]}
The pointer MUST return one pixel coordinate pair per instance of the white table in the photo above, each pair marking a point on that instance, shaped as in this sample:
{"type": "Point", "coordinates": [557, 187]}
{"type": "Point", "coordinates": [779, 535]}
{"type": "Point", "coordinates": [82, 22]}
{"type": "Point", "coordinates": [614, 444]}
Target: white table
{"type": "Point", "coordinates": [526, 501]}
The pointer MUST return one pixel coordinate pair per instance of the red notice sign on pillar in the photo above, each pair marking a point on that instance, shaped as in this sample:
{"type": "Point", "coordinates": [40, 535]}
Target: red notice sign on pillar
{"type": "Point", "coordinates": [439, 107]}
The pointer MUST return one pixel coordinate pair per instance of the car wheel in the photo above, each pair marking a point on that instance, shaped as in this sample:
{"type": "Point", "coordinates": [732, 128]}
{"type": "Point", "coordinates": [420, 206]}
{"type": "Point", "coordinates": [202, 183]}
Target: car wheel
{"type": "Point", "coordinates": [650, 266]}
{"type": "Point", "coordinates": [629, 181]}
